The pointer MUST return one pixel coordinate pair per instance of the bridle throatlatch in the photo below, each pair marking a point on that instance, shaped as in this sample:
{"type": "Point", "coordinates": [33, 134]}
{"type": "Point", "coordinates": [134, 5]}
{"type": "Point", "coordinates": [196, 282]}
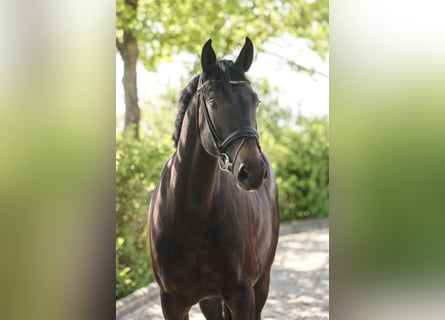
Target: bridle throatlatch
{"type": "Point", "coordinates": [244, 133]}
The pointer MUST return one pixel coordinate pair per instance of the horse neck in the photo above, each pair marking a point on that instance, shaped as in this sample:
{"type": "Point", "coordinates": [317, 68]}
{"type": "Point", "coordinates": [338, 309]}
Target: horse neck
{"type": "Point", "coordinates": [197, 173]}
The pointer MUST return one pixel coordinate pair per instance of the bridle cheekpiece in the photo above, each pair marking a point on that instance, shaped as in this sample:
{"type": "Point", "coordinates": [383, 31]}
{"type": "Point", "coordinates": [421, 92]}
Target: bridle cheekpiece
{"type": "Point", "coordinates": [244, 133]}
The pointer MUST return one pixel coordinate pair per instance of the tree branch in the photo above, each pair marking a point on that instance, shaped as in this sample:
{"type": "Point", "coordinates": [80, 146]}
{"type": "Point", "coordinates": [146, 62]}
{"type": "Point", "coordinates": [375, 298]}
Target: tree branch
{"type": "Point", "coordinates": [299, 67]}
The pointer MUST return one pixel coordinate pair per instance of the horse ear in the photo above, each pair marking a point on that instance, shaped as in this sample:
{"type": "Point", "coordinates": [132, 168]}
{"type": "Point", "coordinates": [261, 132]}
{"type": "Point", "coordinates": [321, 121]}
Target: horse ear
{"type": "Point", "coordinates": [245, 58]}
{"type": "Point", "coordinates": [208, 56]}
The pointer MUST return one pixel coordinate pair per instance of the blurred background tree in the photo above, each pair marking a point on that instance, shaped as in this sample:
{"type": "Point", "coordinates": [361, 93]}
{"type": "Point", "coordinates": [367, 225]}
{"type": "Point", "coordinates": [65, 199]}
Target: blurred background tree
{"type": "Point", "coordinates": [151, 32]}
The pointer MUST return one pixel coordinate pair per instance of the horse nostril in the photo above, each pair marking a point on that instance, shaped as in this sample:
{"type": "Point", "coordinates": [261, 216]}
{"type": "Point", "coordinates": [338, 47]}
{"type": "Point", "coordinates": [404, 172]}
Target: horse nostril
{"type": "Point", "coordinates": [265, 171]}
{"type": "Point", "coordinates": [243, 174]}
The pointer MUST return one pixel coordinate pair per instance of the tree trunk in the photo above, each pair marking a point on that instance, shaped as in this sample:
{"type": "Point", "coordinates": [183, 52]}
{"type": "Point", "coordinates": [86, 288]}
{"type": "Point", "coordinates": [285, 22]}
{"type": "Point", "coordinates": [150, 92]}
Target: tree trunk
{"type": "Point", "coordinates": [128, 48]}
{"type": "Point", "coordinates": [129, 51]}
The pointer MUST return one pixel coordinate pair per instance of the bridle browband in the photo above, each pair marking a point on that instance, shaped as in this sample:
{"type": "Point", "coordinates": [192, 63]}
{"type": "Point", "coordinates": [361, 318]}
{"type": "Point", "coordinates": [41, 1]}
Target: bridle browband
{"type": "Point", "coordinates": [244, 133]}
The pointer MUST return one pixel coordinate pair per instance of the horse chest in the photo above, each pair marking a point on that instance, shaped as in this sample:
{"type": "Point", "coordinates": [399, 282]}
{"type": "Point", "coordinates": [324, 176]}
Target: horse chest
{"type": "Point", "coordinates": [197, 264]}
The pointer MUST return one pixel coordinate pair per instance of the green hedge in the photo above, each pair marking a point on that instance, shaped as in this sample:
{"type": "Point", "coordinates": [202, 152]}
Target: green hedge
{"type": "Point", "coordinates": [133, 188]}
{"type": "Point", "coordinates": [297, 147]}
{"type": "Point", "coordinates": [302, 169]}
{"type": "Point", "coordinates": [138, 168]}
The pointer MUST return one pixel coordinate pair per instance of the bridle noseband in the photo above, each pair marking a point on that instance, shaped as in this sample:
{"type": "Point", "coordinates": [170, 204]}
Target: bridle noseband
{"type": "Point", "coordinates": [244, 133]}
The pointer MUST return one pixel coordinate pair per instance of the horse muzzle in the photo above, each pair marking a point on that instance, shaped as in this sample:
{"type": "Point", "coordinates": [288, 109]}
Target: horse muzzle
{"type": "Point", "coordinates": [251, 171]}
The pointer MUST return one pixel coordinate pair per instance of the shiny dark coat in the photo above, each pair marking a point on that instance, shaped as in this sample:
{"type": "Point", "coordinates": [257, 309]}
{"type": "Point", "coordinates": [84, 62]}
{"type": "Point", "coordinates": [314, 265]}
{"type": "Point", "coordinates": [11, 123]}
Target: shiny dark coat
{"type": "Point", "coordinates": [211, 241]}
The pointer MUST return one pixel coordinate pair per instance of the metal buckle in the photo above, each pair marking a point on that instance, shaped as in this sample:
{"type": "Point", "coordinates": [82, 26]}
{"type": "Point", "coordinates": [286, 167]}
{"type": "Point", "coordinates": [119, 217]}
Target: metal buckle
{"type": "Point", "coordinates": [224, 162]}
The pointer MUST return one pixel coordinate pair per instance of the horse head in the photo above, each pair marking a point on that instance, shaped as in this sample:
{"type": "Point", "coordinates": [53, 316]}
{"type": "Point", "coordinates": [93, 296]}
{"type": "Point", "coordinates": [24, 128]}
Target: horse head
{"type": "Point", "coordinates": [227, 116]}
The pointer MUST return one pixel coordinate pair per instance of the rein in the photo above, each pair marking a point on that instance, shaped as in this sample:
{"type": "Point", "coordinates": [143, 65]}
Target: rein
{"type": "Point", "coordinates": [244, 133]}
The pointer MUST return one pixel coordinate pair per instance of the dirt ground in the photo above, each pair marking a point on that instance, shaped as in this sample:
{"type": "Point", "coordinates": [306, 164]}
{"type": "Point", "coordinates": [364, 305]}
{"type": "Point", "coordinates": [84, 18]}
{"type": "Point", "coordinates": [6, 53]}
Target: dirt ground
{"type": "Point", "coordinates": [299, 286]}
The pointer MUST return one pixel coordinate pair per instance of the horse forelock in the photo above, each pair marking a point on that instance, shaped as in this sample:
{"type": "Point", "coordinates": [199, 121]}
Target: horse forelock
{"type": "Point", "coordinates": [225, 71]}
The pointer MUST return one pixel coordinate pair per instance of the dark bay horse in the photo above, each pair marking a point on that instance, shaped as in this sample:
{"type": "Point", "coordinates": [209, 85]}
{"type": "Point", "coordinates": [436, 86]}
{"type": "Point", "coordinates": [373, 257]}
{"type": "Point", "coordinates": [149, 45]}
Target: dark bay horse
{"type": "Point", "coordinates": [213, 218]}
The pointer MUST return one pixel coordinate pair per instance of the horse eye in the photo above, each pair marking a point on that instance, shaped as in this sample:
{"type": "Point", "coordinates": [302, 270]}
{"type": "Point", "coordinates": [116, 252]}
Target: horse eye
{"type": "Point", "coordinates": [212, 103]}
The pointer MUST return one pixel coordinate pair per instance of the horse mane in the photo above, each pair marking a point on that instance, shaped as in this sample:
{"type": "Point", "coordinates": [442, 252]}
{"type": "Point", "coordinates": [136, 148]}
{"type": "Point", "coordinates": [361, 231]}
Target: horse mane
{"type": "Point", "coordinates": [224, 71]}
{"type": "Point", "coordinates": [184, 100]}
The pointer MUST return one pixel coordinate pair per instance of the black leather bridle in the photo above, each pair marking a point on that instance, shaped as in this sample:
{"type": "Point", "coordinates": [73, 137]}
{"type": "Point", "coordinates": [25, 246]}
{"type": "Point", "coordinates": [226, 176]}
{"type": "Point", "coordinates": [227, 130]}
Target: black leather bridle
{"type": "Point", "coordinates": [244, 133]}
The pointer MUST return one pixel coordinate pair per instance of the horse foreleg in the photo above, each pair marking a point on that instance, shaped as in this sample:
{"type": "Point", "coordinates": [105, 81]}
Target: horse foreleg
{"type": "Point", "coordinates": [212, 308]}
{"type": "Point", "coordinates": [242, 303]}
{"type": "Point", "coordinates": [261, 289]}
{"type": "Point", "coordinates": [171, 309]}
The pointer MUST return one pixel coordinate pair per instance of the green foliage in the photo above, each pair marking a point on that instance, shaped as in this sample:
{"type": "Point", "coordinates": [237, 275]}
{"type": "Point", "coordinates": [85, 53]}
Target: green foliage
{"type": "Point", "coordinates": [138, 168]}
{"type": "Point", "coordinates": [298, 150]}
{"type": "Point", "coordinates": [168, 27]}
{"type": "Point", "coordinates": [303, 170]}
{"type": "Point", "coordinates": [132, 169]}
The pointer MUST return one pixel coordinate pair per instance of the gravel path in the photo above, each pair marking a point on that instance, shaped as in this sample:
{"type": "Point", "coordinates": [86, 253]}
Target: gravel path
{"type": "Point", "coordinates": [299, 281]}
